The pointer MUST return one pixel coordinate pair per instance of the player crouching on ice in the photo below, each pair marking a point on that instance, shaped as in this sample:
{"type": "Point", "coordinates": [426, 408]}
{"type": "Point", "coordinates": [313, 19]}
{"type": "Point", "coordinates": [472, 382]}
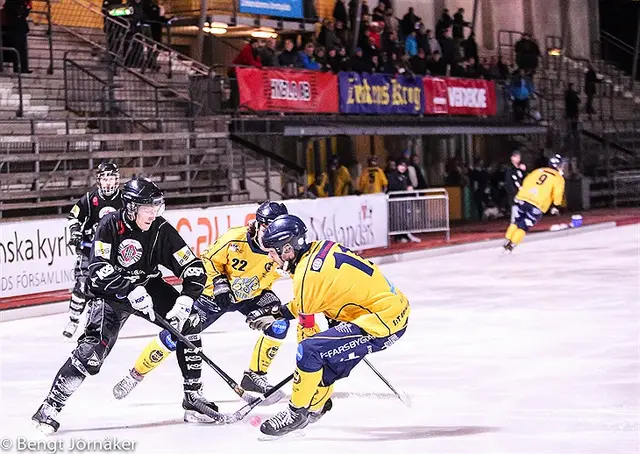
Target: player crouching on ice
{"type": "Point", "coordinates": [330, 279]}
{"type": "Point", "coordinates": [240, 275]}
{"type": "Point", "coordinates": [541, 189]}
{"type": "Point", "coordinates": [124, 279]}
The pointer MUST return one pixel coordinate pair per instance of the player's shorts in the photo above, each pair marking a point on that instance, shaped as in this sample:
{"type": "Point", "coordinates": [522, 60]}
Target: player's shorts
{"type": "Point", "coordinates": [527, 215]}
{"type": "Point", "coordinates": [339, 349]}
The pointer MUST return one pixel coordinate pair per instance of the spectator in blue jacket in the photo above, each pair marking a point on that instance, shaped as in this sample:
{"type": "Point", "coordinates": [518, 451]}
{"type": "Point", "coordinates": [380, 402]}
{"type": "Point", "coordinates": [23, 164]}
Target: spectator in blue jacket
{"type": "Point", "coordinates": [307, 59]}
{"type": "Point", "coordinates": [521, 90]}
{"type": "Point", "coordinates": [411, 44]}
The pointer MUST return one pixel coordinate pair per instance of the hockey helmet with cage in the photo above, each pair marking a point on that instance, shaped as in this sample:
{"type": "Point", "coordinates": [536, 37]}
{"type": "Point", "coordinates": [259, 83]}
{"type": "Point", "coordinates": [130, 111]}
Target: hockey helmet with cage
{"type": "Point", "coordinates": [268, 211]}
{"type": "Point", "coordinates": [142, 192]}
{"type": "Point", "coordinates": [106, 185]}
{"type": "Point", "coordinates": [285, 234]}
{"type": "Point", "coordinates": [556, 162]}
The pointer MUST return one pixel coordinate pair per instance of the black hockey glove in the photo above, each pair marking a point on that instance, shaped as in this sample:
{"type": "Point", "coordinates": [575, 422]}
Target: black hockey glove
{"type": "Point", "coordinates": [331, 322]}
{"type": "Point", "coordinates": [262, 318]}
{"type": "Point", "coordinates": [222, 293]}
{"type": "Point", "coordinates": [76, 238]}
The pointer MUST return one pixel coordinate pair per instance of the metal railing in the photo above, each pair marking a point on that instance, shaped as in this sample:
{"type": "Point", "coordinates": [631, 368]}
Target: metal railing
{"type": "Point", "coordinates": [44, 11]}
{"type": "Point", "coordinates": [17, 74]}
{"type": "Point", "coordinates": [626, 188]}
{"type": "Point", "coordinates": [420, 211]}
{"type": "Point", "coordinates": [84, 92]}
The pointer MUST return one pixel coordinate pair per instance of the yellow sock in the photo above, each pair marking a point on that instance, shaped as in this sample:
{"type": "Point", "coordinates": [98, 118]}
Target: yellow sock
{"type": "Point", "coordinates": [305, 385]}
{"type": "Point", "coordinates": [153, 354]}
{"type": "Point", "coordinates": [510, 231]}
{"type": "Point", "coordinates": [518, 236]}
{"type": "Point", "coordinates": [305, 333]}
{"type": "Point", "coordinates": [320, 397]}
{"type": "Point", "coordinates": [263, 353]}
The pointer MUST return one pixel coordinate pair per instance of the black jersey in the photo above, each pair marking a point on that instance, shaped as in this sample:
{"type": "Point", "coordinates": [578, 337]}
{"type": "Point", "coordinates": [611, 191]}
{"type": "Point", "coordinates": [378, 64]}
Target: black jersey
{"type": "Point", "coordinates": [124, 257]}
{"type": "Point", "coordinates": [88, 211]}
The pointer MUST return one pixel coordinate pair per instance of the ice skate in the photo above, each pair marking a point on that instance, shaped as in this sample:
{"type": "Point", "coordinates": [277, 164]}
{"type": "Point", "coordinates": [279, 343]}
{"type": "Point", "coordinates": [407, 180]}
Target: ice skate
{"type": "Point", "coordinates": [314, 416]}
{"type": "Point", "coordinates": [71, 328]}
{"type": "Point", "coordinates": [199, 409]}
{"type": "Point", "coordinates": [44, 419]}
{"type": "Point", "coordinates": [254, 382]}
{"type": "Point", "coordinates": [285, 422]}
{"type": "Point", "coordinates": [508, 246]}
{"type": "Point", "coordinates": [126, 385]}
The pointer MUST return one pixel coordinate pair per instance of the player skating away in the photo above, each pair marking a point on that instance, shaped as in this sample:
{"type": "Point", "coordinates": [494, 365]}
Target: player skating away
{"type": "Point", "coordinates": [83, 221]}
{"type": "Point", "coordinates": [240, 275]}
{"type": "Point", "coordinates": [128, 247]}
{"type": "Point", "coordinates": [330, 279]}
{"type": "Point", "coordinates": [541, 189]}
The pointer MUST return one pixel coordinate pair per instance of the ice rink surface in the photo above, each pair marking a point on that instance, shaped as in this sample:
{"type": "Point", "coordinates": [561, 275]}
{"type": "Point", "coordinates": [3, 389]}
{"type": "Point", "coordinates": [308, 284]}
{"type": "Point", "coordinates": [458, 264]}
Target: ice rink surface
{"type": "Point", "coordinates": [536, 352]}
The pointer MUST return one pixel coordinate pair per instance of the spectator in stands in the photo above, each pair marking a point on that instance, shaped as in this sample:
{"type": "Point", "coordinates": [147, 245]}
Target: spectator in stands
{"type": "Point", "coordinates": [434, 45]}
{"type": "Point", "coordinates": [411, 44]}
{"type": "Point", "coordinates": [390, 167]}
{"type": "Point", "coordinates": [154, 17]}
{"type": "Point", "coordinates": [513, 176]}
{"type": "Point", "coordinates": [321, 58]}
{"type": "Point", "coordinates": [15, 31]}
{"type": "Point", "coordinates": [437, 66]}
{"type": "Point", "coordinates": [376, 65]}
{"type": "Point", "coordinates": [307, 58]}
{"type": "Point", "coordinates": [288, 58]}
{"type": "Point", "coordinates": [330, 37]}
{"type": "Point", "coordinates": [459, 24]}
{"type": "Point", "coordinates": [319, 185]}
{"type": "Point", "coordinates": [521, 90]}
{"type": "Point", "coordinates": [359, 64]}
{"type": "Point", "coordinates": [572, 111]}
{"type": "Point", "coordinates": [450, 52]}
{"type": "Point", "coordinates": [399, 181]}
{"type": "Point", "coordinates": [340, 178]}
{"type": "Point", "coordinates": [470, 47]}
{"type": "Point", "coordinates": [590, 81]}
{"type": "Point", "coordinates": [420, 173]}
{"type": "Point", "coordinates": [419, 63]}
{"type": "Point", "coordinates": [473, 69]}
{"type": "Point", "coordinates": [372, 179]}
{"type": "Point", "coordinates": [408, 24]}
{"type": "Point", "coordinates": [340, 12]}
{"type": "Point", "coordinates": [379, 12]}
{"type": "Point", "coordinates": [391, 25]}
{"type": "Point", "coordinates": [445, 22]}
{"type": "Point", "coordinates": [527, 54]}
{"type": "Point", "coordinates": [459, 69]}
{"type": "Point", "coordinates": [268, 54]}
{"type": "Point", "coordinates": [249, 55]}
{"type": "Point", "coordinates": [421, 38]}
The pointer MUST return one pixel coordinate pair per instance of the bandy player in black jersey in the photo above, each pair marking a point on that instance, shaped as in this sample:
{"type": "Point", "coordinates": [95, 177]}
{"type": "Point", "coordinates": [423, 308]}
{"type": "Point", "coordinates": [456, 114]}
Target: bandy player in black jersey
{"type": "Point", "coordinates": [83, 221]}
{"type": "Point", "coordinates": [124, 279]}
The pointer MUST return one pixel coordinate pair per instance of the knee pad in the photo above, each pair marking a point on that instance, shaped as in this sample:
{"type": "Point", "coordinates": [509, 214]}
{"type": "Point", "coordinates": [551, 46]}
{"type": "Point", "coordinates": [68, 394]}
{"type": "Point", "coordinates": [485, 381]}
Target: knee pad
{"type": "Point", "coordinates": [88, 354]}
{"type": "Point", "coordinates": [308, 356]}
{"type": "Point", "coordinates": [278, 329]}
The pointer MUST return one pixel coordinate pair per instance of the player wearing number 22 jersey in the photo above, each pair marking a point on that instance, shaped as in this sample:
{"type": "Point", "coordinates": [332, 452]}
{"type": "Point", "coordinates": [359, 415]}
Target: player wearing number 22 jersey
{"type": "Point", "coordinates": [370, 315]}
{"type": "Point", "coordinates": [541, 189]}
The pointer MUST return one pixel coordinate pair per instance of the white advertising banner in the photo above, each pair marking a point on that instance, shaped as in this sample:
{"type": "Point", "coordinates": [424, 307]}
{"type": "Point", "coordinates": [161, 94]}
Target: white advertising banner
{"type": "Point", "coordinates": [35, 258]}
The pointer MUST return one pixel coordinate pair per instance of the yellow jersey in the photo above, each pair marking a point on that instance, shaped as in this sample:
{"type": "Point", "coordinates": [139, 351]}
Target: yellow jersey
{"type": "Point", "coordinates": [236, 256]}
{"type": "Point", "coordinates": [332, 280]}
{"type": "Point", "coordinates": [341, 181]}
{"type": "Point", "coordinates": [372, 181]}
{"type": "Point", "coordinates": [541, 188]}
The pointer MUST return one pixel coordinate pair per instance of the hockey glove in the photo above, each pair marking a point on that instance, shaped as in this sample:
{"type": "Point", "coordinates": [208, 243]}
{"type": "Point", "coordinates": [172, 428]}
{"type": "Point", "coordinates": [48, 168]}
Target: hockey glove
{"type": "Point", "coordinates": [180, 312]}
{"type": "Point", "coordinates": [262, 318]}
{"type": "Point", "coordinates": [222, 293]}
{"type": "Point", "coordinates": [76, 238]}
{"type": "Point", "coordinates": [141, 301]}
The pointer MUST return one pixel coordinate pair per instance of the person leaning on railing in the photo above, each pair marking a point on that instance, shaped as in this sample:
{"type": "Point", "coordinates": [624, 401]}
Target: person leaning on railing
{"type": "Point", "coordinates": [15, 30]}
{"type": "Point", "coordinates": [400, 211]}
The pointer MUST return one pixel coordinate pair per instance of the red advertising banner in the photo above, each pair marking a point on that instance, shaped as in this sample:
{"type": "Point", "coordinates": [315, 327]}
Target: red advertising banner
{"type": "Point", "coordinates": [453, 96]}
{"type": "Point", "coordinates": [286, 90]}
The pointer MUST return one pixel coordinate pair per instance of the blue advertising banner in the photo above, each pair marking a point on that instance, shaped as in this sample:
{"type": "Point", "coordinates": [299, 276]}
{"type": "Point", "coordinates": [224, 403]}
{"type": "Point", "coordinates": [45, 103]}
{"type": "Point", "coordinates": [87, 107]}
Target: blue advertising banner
{"type": "Point", "coordinates": [279, 8]}
{"type": "Point", "coordinates": [381, 94]}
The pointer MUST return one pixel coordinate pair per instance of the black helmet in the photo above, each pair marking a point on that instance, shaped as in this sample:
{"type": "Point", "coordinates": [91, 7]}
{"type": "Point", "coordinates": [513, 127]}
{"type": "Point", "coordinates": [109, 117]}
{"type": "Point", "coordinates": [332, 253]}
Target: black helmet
{"type": "Point", "coordinates": [556, 162]}
{"type": "Point", "coordinates": [107, 169]}
{"type": "Point", "coordinates": [268, 211]}
{"type": "Point", "coordinates": [373, 161]}
{"type": "Point", "coordinates": [141, 191]}
{"type": "Point", "coordinates": [284, 232]}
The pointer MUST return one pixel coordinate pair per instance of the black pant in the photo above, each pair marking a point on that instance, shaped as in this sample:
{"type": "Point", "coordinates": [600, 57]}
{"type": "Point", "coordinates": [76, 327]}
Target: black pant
{"type": "Point", "coordinates": [104, 322]}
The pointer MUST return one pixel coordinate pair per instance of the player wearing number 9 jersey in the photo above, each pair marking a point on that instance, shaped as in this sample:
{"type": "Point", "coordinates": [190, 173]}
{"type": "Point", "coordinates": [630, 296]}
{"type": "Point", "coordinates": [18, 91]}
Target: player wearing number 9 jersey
{"type": "Point", "coordinates": [541, 189]}
{"type": "Point", "coordinates": [329, 279]}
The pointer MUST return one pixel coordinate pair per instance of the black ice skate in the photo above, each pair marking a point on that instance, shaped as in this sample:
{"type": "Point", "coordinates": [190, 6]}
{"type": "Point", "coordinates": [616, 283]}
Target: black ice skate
{"type": "Point", "coordinates": [71, 328]}
{"type": "Point", "coordinates": [43, 418]}
{"type": "Point", "coordinates": [199, 409]}
{"type": "Point", "coordinates": [126, 385]}
{"type": "Point", "coordinates": [508, 246]}
{"type": "Point", "coordinates": [255, 382]}
{"type": "Point", "coordinates": [314, 416]}
{"type": "Point", "coordinates": [285, 422]}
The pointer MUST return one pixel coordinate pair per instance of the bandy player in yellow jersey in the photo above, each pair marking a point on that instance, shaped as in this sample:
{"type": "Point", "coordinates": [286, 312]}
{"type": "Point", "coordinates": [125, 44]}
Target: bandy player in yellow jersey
{"type": "Point", "coordinates": [329, 279]}
{"type": "Point", "coordinates": [541, 189]}
{"type": "Point", "coordinates": [239, 278]}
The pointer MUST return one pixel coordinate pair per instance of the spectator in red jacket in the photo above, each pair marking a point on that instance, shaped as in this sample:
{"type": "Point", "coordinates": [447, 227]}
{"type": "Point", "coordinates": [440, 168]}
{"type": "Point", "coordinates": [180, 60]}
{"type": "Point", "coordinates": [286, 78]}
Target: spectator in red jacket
{"type": "Point", "coordinates": [248, 56]}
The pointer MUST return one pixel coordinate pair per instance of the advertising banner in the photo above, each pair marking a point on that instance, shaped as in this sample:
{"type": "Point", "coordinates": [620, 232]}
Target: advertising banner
{"type": "Point", "coordinates": [279, 8]}
{"type": "Point", "coordinates": [453, 96]}
{"type": "Point", "coordinates": [380, 94]}
{"type": "Point", "coordinates": [35, 258]}
{"type": "Point", "coordinates": [288, 90]}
